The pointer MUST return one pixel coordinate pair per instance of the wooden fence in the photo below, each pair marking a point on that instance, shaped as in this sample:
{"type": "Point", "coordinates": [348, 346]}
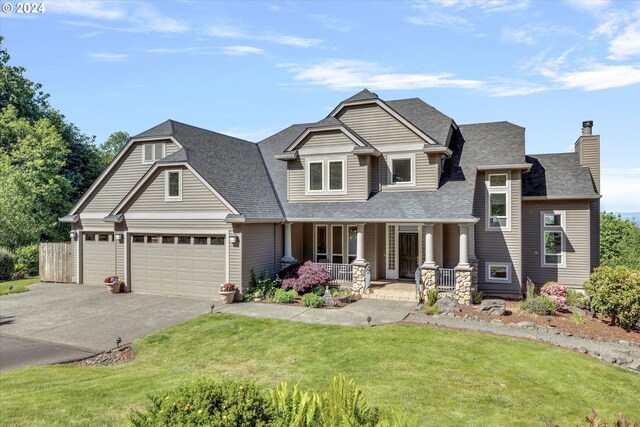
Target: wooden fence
{"type": "Point", "coordinates": [56, 262]}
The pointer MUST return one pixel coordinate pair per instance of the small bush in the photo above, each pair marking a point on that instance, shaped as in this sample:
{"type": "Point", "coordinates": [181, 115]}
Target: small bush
{"type": "Point", "coordinates": [303, 277]}
{"type": "Point", "coordinates": [29, 257]}
{"type": "Point", "coordinates": [576, 299]}
{"type": "Point", "coordinates": [262, 287]}
{"type": "Point", "coordinates": [556, 292]}
{"type": "Point", "coordinates": [539, 305]}
{"type": "Point", "coordinates": [615, 292]}
{"type": "Point", "coordinates": [432, 296]}
{"type": "Point", "coordinates": [207, 403]}
{"type": "Point", "coordinates": [312, 300]}
{"type": "Point", "coordinates": [282, 297]}
{"type": "Point", "coordinates": [318, 290]}
{"type": "Point", "coordinates": [432, 309]}
{"type": "Point", "coordinates": [478, 297]}
{"type": "Point", "coordinates": [577, 318]}
{"type": "Point", "coordinates": [6, 263]}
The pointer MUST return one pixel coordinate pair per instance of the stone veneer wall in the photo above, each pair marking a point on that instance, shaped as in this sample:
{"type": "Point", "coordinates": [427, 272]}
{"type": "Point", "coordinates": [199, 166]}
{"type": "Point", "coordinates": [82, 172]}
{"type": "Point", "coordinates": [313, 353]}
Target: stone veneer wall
{"type": "Point", "coordinates": [429, 280]}
{"type": "Point", "coordinates": [463, 291]}
{"type": "Point", "coordinates": [474, 275]}
{"type": "Point", "coordinates": [358, 278]}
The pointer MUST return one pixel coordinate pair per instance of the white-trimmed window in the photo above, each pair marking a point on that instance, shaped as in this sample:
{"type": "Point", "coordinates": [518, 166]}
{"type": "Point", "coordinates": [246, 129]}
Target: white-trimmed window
{"type": "Point", "coordinates": [336, 244]}
{"type": "Point", "coordinates": [498, 201]}
{"type": "Point", "coordinates": [326, 176]}
{"type": "Point", "coordinates": [552, 237]}
{"type": "Point", "coordinates": [152, 152]}
{"type": "Point", "coordinates": [321, 243]}
{"type": "Point", "coordinates": [352, 242]}
{"type": "Point", "coordinates": [173, 186]}
{"type": "Point", "coordinates": [498, 272]}
{"type": "Point", "coordinates": [402, 170]}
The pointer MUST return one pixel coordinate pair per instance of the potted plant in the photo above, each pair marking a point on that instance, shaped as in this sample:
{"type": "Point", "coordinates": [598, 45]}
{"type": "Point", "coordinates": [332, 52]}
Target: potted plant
{"type": "Point", "coordinates": [228, 292]}
{"type": "Point", "coordinates": [114, 284]}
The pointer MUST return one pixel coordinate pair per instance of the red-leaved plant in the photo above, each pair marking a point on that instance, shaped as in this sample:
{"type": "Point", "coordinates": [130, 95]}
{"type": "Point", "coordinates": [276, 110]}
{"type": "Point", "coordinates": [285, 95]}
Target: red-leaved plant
{"type": "Point", "coordinates": [556, 292]}
{"type": "Point", "coordinates": [303, 277]}
{"type": "Point", "coordinates": [228, 287]}
{"type": "Point", "coordinates": [110, 280]}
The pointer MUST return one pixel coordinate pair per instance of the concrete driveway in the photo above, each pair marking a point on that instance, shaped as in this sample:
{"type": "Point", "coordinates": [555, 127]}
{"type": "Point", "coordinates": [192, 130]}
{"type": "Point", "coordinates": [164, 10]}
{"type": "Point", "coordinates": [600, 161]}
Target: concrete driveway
{"type": "Point", "coordinates": [54, 323]}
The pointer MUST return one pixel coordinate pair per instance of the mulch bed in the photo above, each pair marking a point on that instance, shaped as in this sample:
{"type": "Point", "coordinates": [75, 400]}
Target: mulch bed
{"type": "Point", "coordinates": [116, 356]}
{"type": "Point", "coordinates": [339, 303]}
{"type": "Point", "coordinates": [592, 327]}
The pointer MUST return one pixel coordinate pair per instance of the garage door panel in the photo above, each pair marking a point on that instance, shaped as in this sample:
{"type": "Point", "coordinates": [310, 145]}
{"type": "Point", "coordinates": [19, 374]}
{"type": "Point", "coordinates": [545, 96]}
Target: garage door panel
{"type": "Point", "coordinates": [98, 257]}
{"type": "Point", "coordinates": [178, 268]}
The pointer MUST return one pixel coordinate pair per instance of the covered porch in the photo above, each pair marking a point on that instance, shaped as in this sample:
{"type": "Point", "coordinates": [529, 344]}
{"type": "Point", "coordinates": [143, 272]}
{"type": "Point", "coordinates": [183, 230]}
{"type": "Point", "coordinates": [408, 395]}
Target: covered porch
{"type": "Point", "coordinates": [414, 257]}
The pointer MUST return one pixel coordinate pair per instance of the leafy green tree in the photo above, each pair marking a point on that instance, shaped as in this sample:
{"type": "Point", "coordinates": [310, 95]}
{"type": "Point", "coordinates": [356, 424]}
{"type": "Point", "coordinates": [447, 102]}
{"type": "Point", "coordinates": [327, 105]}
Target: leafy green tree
{"type": "Point", "coordinates": [33, 190]}
{"type": "Point", "coordinates": [113, 145]}
{"type": "Point", "coordinates": [619, 242]}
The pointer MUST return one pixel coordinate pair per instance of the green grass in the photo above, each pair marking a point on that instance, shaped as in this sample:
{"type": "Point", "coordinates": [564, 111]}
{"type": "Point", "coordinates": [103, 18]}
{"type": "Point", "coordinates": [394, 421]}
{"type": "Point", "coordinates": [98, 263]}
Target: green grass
{"type": "Point", "coordinates": [438, 376]}
{"type": "Point", "coordinates": [18, 285]}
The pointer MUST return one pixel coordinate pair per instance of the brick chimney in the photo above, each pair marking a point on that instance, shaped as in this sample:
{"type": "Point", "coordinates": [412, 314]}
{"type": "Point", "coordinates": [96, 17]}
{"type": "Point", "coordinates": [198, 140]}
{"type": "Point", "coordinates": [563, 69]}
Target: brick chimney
{"type": "Point", "coordinates": [588, 149]}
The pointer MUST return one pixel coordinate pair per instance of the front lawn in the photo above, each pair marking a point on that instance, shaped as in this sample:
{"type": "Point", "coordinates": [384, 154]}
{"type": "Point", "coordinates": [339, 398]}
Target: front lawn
{"type": "Point", "coordinates": [17, 285]}
{"type": "Point", "coordinates": [438, 376]}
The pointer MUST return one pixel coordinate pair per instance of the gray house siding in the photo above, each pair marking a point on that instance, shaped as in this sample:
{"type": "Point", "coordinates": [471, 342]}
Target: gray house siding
{"type": "Point", "coordinates": [426, 173]}
{"type": "Point", "coordinates": [450, 245]}
{"type": "Point", "coordinates": [499, 246]}
{"type": "Point", "coordinates": [577, 243]}
{"type": "Point", "coordinates": [594, 215]}
{"type": "Point", "coordinates": [120, 180]}
{"type": "Point", "coordinates": [259, 250]}
{"type": "Point", "coordinates": [297, 238]}
{"type": "Point", "coordinates": [235, 256]}
{"type": "Point", "coordinates": [357, 177]}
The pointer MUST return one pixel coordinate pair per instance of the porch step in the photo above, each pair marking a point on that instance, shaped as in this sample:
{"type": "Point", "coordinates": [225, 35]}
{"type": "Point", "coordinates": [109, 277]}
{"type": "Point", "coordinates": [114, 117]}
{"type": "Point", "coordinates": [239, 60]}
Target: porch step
{"type": "Point", "coordinates": [388, 297]}
{"type": "Point", "coordinates": [391, 292]}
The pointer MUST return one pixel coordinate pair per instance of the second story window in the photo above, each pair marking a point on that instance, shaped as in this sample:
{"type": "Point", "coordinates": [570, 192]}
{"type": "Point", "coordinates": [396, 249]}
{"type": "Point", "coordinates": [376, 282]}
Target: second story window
{"type": "Point", "coordinates": [326, 176]}
{"type": "Point", "coordinates": [173, 186]}
{"type": "Point", "coordinates": [152, 152]}
{"type": "Point", "coordinates": [401, 170]}
{"type": "Point", "coordinates": [498, 201]}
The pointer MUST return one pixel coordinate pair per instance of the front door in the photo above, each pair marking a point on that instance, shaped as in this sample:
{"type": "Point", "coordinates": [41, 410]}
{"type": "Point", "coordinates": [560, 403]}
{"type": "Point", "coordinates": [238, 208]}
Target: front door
{"type": "Point", "coordinates": [408, 255]}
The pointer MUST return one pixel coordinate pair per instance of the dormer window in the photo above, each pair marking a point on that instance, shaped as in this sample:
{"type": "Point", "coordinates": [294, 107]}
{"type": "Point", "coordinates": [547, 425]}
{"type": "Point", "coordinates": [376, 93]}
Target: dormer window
{"type": "Point", "coordinates": [173, 186]}
{"type": "Point", "coordinates": [152, 152]}
{"type": "Point", "coordinates": [326, 176]}
{"type": "Point", "coordinates": [402, 170]}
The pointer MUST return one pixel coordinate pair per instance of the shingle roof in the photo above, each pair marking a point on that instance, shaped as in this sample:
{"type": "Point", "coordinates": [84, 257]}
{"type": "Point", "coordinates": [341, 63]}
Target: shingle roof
{"type": "Point", "coordinates": [362, 95]}
{"type": "Point", "coordinates": [163, 129]}
{"type": "Point", "coordinates": [423, 116]}
{"type": "Point", "coordinates": [496, 143]}
{"type": "Point", "coordinates": [178, 156]}
{"type": "Point", "coordinates": [557, 175]}
{"type": "Point", "coordinates": [232, 166]}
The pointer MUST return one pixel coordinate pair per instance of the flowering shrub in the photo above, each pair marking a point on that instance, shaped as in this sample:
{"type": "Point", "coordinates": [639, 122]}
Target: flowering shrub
{"type": "Point", "coordinates": [303, 277]}
{"type": "Point", "coordinates": [556, 292]}
{"type": "Point", "coordinates": [110, 280]}
{"type": "Point", "coordinates": [228, 287]}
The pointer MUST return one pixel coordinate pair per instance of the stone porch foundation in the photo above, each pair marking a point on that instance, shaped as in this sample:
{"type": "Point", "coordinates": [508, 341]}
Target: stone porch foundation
{"type": "Point", "coordinates": [429, 280]}
{"type": "Point", "coordinates": [463, 292]}
{"type": "Point", "coordinates": [357, 271]}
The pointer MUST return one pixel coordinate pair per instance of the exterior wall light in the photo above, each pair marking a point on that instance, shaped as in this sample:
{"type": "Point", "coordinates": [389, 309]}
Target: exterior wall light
{"type": "Point", "coordinates": [233, 238]}
{"type": "Point", "coordinates": [73, 235]}
{"type": "Point", "coordinates": [119, 237]}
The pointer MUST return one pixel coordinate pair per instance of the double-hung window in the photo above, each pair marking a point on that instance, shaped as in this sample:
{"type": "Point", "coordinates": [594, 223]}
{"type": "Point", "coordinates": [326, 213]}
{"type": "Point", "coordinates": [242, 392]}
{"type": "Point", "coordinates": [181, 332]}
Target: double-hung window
{"type": "Point", "coordinates": [553, 239]}
{"type": "Point", "coordinates": [498, 201]}
{"type": "Point", "coordinates": [321, 243]}
{"type": "Point", "coordinates": [327, 176]}
{"type": "Point", "coordinates": [152, 152]}
{"type": "Point", "coordinates": [173, 186]}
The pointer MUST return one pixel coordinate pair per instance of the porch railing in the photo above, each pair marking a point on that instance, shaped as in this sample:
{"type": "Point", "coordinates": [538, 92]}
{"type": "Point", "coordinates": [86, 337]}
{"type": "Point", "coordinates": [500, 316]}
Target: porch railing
{"type": "Point", "coordinates": [340, 273]}
{"type": "Point", "coordinates": [447, 280]}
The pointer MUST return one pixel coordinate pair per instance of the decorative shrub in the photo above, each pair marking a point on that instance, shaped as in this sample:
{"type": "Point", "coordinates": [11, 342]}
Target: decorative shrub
{"type": "Point", "coordinates": [228, 287]}
{"type": "Point", "coordinates": [478, 297]}
{"type": "Point", "coordinates": [6, 263]}
{"type": "Point", "coordinates": [262, 287]}
{"type": "Point", "coordinates": [28, 257]}
{"type": "Point", "coordinates": [281, 296]}
{"type": "Point", "coordinates": [615, 292]}
{"type": "Point", "coordinates": [556, 292]}
{"type": "Point", "coordinates": [303, 277]}
{"type": "Point", "coordinates": [432, 296]}
{"type": "Point", "coordinates": [318, 290]}
{"type": "Point", "coordinates": [539, 305]}
{"type": "Point", "coordinates": [576, 299]}
{"type": "Point", "coordinates": [432, 309]}
{"type": "Point", "coordinates": [207, 403]}
{"type": "Point", "coordinates": [312, 300]}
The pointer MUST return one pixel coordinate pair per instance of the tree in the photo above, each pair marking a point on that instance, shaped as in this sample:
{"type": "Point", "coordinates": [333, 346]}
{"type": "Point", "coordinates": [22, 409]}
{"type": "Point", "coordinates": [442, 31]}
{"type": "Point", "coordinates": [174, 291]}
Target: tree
{"type": "Point", "coordinates": [33, 190]}
{"type": "Point", "coordinates": [619, 242]}
{"type": "Point", "coordinates": [113, 145]}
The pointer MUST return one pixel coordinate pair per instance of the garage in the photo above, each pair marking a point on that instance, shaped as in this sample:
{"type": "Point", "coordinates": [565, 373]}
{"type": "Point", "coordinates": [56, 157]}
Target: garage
{"type": "Point", "coordinates": [178, 265]}
{"type": "Point", "coordinates": [98, 257]}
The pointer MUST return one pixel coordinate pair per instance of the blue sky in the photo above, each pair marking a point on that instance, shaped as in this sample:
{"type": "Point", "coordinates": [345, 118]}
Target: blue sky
{"type": "Point", "coordinates": [250, 69]}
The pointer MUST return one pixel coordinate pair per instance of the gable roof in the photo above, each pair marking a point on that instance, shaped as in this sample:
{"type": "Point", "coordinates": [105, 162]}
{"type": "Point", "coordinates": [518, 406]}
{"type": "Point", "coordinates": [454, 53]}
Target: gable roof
{"type": "Point", "coordinates": [556, 176]}
{"type": "Point", "coordinates": [426, 118]}
{"type": "Point", "coordinates": [495, 143]}
{"type": "Point", "coordinates": [363, 94]}
{"type": "Point", "coordinates": [163, 129]}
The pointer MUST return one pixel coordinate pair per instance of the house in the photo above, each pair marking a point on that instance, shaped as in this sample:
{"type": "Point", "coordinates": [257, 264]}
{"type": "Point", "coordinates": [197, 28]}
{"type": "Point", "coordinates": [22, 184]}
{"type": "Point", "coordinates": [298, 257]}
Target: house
{"type": "Point", "coordinates": [379, 190]}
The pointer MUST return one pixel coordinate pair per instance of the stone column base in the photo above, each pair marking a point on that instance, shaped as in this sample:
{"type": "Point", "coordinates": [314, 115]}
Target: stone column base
{"type": "Point", "coordinates": [463, 291]}
{"type": "Point", "coordinates": [357, 271]}
{"type": "Point", "coordinates": [284, 263]}
{"type": "Point", "coordinates": [429, 279]}
{"type": "Point", "coordinates": [474, 275]}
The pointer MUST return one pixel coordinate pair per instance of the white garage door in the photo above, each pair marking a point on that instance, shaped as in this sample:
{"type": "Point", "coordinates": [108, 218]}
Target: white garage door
{"type": "Point", "coordinates": [178, 265]}
{"type": "Point", "coordinates": [98, 257]}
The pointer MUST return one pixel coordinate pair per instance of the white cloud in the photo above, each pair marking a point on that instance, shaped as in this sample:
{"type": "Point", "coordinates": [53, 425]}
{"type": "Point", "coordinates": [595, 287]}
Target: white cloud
{"type": "Point", "coordinates": [440, 19]}
{"type": "Point", "coordinates": [529, 33]}
{"type": "Point", "coordinates": [598, 77]}
{"type": "Point", "coordinates": [333, 22]}
{"type": "Point", "coordinates": [626, 44]}
{"type": "Point", "coordinates": [350, 74]}
{"type": "Point", "coordinates": [226, 32]}
{"type": "Point", "coordinates": [618, 187]}
{"type": "Point", "coordinates": [290, 40]}
{"type": "Point", "coordinates": [589, 5]}
{"type": "Point", "coordinates": [241, 50]}
{"type": "Point", "coordinates": [88, 9]}
{"type": "Point", "coordinates": [520, 35]}
{"type": "Point", "coordinates": [486, 5]}
{"type": "Point", "coordinates": [107, 56]}
{"type": "Point", "coordinates": [234, 32]}
{"type": "Point", "coordinates": [175, 50]}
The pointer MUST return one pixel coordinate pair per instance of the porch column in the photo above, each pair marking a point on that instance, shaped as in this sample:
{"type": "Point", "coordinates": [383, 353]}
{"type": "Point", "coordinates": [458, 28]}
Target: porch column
{"type": "Point", "coordinates": [360, 245]}
{"type": "Point", "coordinates": [287, 258]}
{"type": "Point", "coordinates": [464, 248]}
{"type": "Point", "coordinates": [472, 242]}
{"type": "Point", "coordinates": [429, 260]}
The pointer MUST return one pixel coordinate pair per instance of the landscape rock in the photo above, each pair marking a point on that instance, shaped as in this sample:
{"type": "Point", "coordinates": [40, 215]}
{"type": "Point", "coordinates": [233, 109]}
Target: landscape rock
{"type": "Point", "coordinates": [448, 305]}
{"type": "Point", "coordinates": [526, 325]}
{"type": "Point", "coordinates": [494, 307]}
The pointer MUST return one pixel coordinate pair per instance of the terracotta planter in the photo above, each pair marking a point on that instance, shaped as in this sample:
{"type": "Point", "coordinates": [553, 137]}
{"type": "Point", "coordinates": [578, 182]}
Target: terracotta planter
{"type": "Point", "coordinates": [227, 297]}
{"type": "Point", "coordinates": [114, 288]}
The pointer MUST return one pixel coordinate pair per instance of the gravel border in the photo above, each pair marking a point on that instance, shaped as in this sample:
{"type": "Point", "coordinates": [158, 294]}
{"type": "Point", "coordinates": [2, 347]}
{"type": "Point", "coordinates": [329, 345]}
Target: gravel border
{"type": "Point", "coordinates": [619, 352]}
